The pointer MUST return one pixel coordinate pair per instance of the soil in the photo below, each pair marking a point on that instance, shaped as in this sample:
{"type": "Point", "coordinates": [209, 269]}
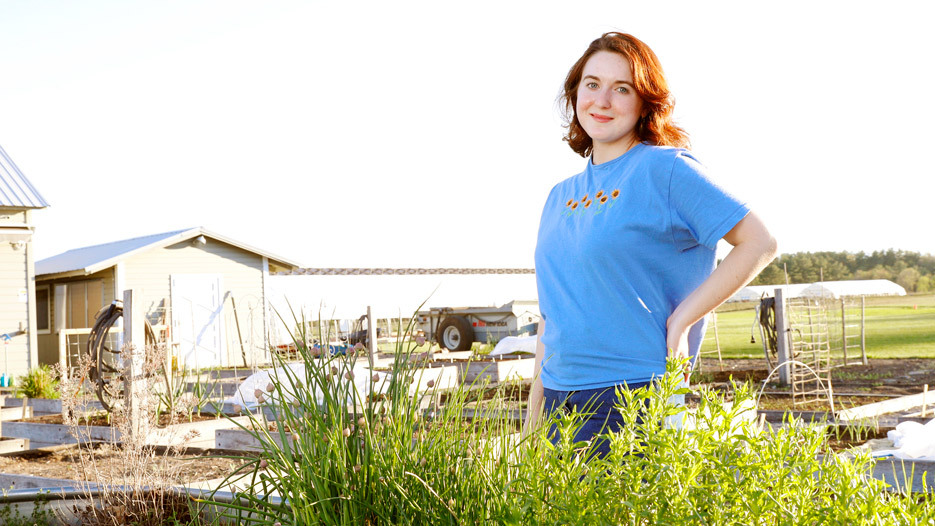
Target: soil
{"type": "Point", "coordinates": [101, 419]}
{"type": "Point", "coordinates": [898, 377]}
{"type": "Point", "coordinates": [115, 465]}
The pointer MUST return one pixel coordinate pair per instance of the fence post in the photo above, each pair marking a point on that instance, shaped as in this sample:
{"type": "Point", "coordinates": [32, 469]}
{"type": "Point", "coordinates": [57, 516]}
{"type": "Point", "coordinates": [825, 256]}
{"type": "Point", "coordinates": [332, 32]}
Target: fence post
{"type": "Point", "coordinates": [371, 337]}
{"type": "Point", "coordinates": [134, 351]}
{"type": "Point", "coordinates": [863, 341]}
{"type": "Point", "coordinates": [63, 353]}
{"type": "Point", "coordinates": [844, 331]}
{"type": "Point", "coordinates": [782, 338]}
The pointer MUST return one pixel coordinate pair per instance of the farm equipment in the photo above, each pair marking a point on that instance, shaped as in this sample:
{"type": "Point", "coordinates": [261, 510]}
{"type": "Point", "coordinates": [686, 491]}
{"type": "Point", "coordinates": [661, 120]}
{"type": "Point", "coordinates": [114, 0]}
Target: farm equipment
{"type": "Point", "coordinates": [456, 328]}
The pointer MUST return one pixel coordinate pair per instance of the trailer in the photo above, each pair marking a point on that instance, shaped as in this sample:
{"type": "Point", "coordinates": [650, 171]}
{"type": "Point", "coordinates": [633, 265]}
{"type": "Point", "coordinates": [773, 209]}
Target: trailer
{"type": "Point", "coordinates": [456, 328]}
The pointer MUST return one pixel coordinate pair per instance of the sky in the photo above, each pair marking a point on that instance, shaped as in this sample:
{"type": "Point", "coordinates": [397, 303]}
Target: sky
{"type": "Point", "coordinates": [427, 134]}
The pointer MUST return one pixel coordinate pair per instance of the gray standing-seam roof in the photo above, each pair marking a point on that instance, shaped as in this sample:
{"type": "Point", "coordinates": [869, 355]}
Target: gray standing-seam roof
{"type": "Point", "coordinates": [88, 260]}
{"type": "Point", "coordinates": [15, 189]}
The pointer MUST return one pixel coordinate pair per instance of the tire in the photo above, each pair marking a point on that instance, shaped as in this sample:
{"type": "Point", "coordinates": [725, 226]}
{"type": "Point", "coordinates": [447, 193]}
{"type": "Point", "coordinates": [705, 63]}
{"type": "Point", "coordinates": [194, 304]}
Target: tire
{"type": "Point", "coordinates": [455, 334]}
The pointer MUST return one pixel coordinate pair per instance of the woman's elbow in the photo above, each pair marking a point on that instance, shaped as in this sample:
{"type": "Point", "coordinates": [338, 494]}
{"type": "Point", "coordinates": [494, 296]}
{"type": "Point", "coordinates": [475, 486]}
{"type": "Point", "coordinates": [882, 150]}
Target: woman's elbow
{"type": "Point", "coordinates": [770, 247]}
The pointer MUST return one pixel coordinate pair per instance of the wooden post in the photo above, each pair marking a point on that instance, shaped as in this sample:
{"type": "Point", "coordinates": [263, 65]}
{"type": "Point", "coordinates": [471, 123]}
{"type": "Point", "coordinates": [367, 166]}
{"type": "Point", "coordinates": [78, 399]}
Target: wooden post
{"type": "Point", "coordinates": [134, 352]}
{"type": "Point", "coordinates": [782, 338]}
{"type": "Point", "coordinates": [371, 337]}
{"type": "Point", "coordinates": [844, 331]}
{"type": "Point", "coordinates": [925, 392]}
{"type": "Point", "coordinates": [717, 342]}
{"type": "Point", "coordinates": [63, 353]}
{"type": "Point", "coordinates": [863, 340]}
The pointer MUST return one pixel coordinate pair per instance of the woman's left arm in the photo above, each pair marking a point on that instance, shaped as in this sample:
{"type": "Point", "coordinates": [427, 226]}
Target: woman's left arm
{"type": "Point", "coordinates": [754, 248]}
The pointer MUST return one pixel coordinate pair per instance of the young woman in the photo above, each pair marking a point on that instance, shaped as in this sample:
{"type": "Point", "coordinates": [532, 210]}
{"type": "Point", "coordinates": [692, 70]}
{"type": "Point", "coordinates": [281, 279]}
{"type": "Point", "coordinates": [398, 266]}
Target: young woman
{"type": "Point", "coordinates": [625, 258]}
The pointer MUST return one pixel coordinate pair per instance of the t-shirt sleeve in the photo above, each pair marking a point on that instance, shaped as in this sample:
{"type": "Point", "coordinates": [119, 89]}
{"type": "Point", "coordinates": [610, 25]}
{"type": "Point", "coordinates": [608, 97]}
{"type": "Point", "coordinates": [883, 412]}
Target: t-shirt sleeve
{"type": "Point", "coordinates": [701, 211]}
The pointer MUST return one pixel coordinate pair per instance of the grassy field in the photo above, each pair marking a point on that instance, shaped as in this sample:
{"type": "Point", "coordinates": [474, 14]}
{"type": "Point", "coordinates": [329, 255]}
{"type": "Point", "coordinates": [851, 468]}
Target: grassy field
{"type": "Point", "coordinates": [896, 327]}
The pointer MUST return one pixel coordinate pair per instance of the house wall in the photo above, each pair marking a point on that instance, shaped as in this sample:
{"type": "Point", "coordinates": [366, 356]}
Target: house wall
{"type": "Point", "coordinates": [242, 275]}
{"type": "Point", "coordinates": [48, 343]}
{"type": "Point", "coordinates": [15, 297]}
{"type": "Point", "coordinates": [14, 310]}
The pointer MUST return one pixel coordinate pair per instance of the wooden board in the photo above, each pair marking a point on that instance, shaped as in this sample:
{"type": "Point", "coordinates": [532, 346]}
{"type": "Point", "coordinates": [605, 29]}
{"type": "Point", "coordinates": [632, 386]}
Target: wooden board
{"type": "Point", "coordinates": [194, 434]}
{"type": "Point", "coordinates": [892, 405]}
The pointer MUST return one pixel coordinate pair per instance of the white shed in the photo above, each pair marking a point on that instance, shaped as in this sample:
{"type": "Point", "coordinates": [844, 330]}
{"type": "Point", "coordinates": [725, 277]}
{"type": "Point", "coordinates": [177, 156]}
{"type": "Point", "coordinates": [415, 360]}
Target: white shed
{"type": "Point", "coordinates": [208, 290]}
{"type": "Point", "coordinates": [858, 287]}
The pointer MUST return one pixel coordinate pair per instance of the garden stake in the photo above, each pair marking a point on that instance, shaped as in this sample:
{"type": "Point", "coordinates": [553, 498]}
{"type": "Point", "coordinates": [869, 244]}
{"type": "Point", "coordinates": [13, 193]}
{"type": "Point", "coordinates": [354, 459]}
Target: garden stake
{"type": "Point", "coordinates": [925, 392]}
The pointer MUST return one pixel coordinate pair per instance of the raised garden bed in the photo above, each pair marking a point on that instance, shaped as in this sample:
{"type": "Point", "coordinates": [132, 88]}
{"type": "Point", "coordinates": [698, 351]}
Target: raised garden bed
{"type": "Point", "coordinates": [50, 431]}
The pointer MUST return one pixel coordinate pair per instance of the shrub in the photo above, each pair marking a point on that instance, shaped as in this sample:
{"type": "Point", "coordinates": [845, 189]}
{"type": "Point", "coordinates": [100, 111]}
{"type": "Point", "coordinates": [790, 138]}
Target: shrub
{"type": "Point", "coordinates": [40, 382]}
{"type": "Point", "coordinates": [336, 457]}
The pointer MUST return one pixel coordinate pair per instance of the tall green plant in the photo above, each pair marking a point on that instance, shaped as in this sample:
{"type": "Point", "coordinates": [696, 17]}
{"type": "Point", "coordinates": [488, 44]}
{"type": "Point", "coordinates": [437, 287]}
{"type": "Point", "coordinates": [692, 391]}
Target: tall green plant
{"type": "Point", "coordinates": [409, 457]}
{"type": "Point", "coordinates": [39, 382]}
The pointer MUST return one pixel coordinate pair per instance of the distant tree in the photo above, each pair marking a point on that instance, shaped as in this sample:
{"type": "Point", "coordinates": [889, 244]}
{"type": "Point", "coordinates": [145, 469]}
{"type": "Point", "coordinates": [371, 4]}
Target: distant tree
{"type": "Point", "coordinates": [807, 267]}
{"type": "Point", "coordinates": [924, 284]}
{"type": "Point", "coordinates": [908, 278]}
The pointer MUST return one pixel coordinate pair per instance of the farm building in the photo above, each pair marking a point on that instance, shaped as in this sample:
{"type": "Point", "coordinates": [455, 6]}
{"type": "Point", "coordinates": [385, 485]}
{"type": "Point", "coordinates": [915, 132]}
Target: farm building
{"type": "Point", "coordinates": [857, 287]}
{"type": "Point", "coordinates": [18, 198]}
{"type": "Point", "coordinates": [207, 293]}
{"type": "Point", "coordinates": [755, 292]}
{"type": "Point", "coordinates": [822, 289]}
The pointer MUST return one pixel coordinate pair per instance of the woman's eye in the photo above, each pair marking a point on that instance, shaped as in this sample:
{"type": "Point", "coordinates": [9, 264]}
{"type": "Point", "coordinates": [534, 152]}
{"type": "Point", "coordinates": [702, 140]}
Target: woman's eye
{"type": "Point", "coordinates": [623, 89]}
{"type": "Point", "coordinates": [591, 85]}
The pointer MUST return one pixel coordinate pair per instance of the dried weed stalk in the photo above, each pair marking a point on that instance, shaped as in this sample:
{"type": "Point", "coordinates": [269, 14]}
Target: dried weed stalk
{"type": "Point", "coordinates": [137, 489]}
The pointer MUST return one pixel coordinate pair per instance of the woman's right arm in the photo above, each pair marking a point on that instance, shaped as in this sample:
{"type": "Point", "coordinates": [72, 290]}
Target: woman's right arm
{"type": "Point", "coordinates": [534, 402]}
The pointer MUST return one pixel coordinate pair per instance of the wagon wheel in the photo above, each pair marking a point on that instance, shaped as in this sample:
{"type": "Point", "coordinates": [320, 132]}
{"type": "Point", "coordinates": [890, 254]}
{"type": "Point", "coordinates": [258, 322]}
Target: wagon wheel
{"type": "Point", "coordinates": [106, 363]}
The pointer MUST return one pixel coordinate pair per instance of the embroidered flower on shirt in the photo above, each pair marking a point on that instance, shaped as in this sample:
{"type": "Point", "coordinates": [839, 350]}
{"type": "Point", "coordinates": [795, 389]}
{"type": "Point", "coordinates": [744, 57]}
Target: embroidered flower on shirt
{"type": "Point", "coordinates": [570, 201]}
{"type": "Point", "coordinates": [585, 198]}
{"type": "Point", "coordinates": [615, 193]}
{"type": "Point", "coordinates": [587, 203]}
{"type": "Point", "coordinates": [603, 199]}
{"type": "Point", "coordinates": [574, 205]}
{"type": "Point", "coordinates": [598, 194]}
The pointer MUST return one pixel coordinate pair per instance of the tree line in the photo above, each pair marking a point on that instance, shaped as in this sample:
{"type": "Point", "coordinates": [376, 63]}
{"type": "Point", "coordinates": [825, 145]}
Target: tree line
{"type": "Point", "coordinates": [913, 271]}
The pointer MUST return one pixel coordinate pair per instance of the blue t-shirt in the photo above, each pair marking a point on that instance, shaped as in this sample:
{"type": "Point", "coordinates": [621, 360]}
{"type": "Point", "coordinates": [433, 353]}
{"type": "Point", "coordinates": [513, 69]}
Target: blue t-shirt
{"type": "Point", "coordinates": [620, 246]}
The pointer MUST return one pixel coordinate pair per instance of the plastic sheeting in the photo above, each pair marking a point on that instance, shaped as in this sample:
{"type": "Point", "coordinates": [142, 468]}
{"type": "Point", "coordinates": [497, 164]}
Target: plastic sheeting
{"type": "Point", "coordinates": [515, 344]}
{"type": "Point", "coordinates": [246, 392]}
{"type": "Point", "coordinates": [911, 440]}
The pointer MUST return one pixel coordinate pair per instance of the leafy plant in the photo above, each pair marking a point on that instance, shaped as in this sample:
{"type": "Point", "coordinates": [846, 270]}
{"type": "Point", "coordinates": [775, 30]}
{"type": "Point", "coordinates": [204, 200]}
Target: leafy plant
{"type": "Point", "coordinates": [397, 455]}
{"type": "Point", "coordinates": [40, 515]}
{"type": "Point", "coordinates": [39, 382]}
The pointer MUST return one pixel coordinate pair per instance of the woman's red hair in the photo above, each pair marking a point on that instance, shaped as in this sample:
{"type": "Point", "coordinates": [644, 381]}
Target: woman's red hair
{"type": "Point", "coordinates": [656, 127]}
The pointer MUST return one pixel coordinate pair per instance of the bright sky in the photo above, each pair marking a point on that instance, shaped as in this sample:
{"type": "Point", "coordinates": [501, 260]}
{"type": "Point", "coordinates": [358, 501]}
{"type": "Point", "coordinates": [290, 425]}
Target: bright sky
{"type": "Point", "coordinates": [425, 135]}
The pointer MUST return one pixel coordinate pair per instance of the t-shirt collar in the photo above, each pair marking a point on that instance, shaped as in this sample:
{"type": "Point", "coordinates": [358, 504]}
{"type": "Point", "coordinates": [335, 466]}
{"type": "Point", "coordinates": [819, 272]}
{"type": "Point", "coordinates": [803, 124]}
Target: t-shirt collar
{"type": "Point", "coordinates": [613, 163]}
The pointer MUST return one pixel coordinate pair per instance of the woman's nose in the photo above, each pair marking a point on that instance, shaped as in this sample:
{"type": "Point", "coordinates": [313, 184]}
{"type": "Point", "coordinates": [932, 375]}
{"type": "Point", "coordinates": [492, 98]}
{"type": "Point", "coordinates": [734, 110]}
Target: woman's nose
{"type": "Point", "coordinates": [602, 98]}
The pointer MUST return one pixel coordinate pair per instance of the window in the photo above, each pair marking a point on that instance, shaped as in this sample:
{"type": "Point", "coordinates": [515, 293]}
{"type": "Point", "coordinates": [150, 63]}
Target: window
{"type": "Point", "coordinates": [85, 298]}
{"type": "Point", "coordinates": [43, 310]}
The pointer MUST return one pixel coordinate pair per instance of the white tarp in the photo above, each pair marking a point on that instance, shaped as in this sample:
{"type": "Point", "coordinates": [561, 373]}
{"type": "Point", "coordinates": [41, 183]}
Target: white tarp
{"type": "Point", "coordinates": [246, 393]}
{"type": "Point", "coordinates": [911, 440]}
{"type": "Point", "coordinates": [515, 344]}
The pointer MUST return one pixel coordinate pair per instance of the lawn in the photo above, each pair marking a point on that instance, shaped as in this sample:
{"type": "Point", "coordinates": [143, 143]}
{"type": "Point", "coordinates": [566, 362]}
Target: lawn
{"type": "Point", "coordinates": [896, 327]}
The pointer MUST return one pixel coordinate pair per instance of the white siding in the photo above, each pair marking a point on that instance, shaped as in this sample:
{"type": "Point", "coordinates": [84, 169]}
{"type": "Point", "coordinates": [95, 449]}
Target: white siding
{"type": "Point", "coordinates": [14, 311]}
{"type": "Point", "coordinates": [149, 274]}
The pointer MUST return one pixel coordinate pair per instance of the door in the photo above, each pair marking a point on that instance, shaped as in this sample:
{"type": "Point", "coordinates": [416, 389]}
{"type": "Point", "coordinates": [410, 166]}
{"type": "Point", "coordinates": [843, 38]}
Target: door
{"type": "Point", "coordinates": [197, 307]}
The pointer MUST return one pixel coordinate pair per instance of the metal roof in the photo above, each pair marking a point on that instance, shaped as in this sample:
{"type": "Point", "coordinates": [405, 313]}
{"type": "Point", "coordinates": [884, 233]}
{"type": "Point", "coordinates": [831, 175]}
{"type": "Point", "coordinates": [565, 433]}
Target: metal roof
{"type": "Point", "coordinates": [15, 189]}
{"type": "Point", "coordinates": [88, 260]}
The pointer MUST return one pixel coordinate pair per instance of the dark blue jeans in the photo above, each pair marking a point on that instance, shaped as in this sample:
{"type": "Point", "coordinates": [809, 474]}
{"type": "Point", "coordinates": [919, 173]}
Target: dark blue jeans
{"type": "Point", "coordinates": [599, 413]}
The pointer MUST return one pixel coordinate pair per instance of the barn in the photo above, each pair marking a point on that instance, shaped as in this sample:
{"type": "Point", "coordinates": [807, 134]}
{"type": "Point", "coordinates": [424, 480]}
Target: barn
{"type": "Point", "coordinates": [18, 199]}
{"type": "Point", "coordinates": [207, 293]}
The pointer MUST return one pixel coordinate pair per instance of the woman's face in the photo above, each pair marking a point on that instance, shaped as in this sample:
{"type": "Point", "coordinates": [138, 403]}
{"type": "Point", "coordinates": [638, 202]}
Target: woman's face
{"type": "Point", "coordinates": [608, 106]}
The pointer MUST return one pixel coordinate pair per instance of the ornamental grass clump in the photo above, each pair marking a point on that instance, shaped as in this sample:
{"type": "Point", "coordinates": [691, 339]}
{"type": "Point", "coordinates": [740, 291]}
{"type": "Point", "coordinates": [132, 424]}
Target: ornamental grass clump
{"type": "Point", "coordinates": [388, 455]}
{"type": "Point", "coordinates": [393, 454]}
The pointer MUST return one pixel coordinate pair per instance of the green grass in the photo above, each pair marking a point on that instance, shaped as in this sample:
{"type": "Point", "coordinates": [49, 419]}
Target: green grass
{"type": "Point", "coordinates": [896, 327]}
